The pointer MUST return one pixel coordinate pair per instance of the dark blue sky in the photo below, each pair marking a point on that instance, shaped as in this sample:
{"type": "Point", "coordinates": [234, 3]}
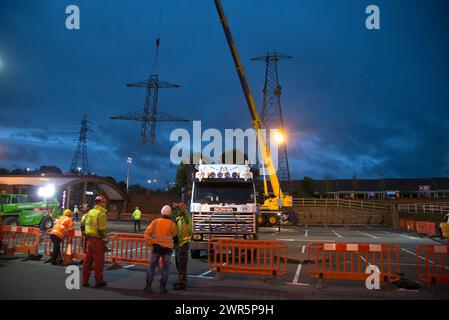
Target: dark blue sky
{"type": "Point", "coordinates": [373, 102]}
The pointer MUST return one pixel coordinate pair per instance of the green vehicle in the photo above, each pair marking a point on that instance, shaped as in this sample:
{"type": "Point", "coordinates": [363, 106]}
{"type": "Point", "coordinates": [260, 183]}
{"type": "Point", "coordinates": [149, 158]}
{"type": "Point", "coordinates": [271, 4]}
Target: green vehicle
{"type": "Point", "coordinates": [16, 210]}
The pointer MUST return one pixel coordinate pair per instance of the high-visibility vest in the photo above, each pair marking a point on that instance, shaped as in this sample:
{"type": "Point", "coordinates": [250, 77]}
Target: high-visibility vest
{"type": "Point", "coordinates": [62, 226]}
{"type": "Point", "coordinates": [184, 227]}
{"type": "Point", "coordinates": [95, 223]}
{"type": "Point", "coordinates": [161, 231]}
{"type": "Point", "coordinates": [137, 214]}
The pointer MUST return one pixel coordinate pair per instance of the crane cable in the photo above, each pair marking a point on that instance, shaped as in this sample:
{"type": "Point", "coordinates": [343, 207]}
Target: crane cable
{"type": "Point", "coordinates": [155, 66]}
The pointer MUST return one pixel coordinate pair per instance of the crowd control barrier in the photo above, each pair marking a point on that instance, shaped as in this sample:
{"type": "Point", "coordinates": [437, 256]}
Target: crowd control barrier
{"type": "Point", "coordinates": [253, 257]}
{"type": "Point", "coordinates": [128, 249]}
{"type": "Point", "coordinates": [72, 247]}
{"type": "Point", "coordinates": [433, 263]}
{"type": "Point", "coordinates": [20, 240]}
{"type": "Point", "coordinates": [341, 261]}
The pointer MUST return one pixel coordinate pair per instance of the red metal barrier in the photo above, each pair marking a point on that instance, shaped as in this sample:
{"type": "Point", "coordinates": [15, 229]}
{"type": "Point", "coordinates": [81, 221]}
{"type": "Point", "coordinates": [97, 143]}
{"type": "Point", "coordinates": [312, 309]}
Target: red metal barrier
{"type": "Point", "coordinates": [427, 228]}
{"type": "Point", "coordinates": [433, 263]}
{"type": "Point", "coordinates": [402, 224]}
{"type": "Point", "coordinates": [256, 257]}
{"type": "Point", "coordinates": [20, 240]}
{"type": "Point", "coordinates": [341, 261]}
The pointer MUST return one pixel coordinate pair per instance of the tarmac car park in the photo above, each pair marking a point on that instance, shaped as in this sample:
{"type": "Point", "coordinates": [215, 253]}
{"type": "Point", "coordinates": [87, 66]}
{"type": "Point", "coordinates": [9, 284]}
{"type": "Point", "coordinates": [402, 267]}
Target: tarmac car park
{"type": "Point", "coordinates": [36, 280]}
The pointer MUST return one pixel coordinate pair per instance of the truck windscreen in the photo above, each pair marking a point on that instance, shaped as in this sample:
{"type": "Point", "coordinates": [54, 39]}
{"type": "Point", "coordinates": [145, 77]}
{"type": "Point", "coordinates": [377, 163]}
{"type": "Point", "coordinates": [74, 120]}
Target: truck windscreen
{"type": "Point", "coordinates": [236, 193]}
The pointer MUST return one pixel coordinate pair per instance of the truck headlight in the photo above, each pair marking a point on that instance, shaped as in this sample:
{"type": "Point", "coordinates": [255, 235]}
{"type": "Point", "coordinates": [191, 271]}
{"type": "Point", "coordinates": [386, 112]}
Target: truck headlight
{"type": "Point", "coordinates": [197, 236]}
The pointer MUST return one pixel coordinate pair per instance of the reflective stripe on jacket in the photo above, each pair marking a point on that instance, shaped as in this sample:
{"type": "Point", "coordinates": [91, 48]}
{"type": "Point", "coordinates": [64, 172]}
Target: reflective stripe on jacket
{"type": "Point", "coordinates": [95, 223]}
{"type": "Point", "coordinates": [161, 231]}
{"type": "Point", "coordinates": [62, 226]}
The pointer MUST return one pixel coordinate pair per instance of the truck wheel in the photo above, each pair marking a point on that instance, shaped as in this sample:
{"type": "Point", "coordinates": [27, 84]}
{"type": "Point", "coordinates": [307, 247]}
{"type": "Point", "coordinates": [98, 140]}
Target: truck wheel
{"type": "Point", "coordinates": [195, 254]}
{"type": "Point", "coordinates": [261, 220]}
{"type": "Point", "coordinates": [11, 221]}
{"type": "Point", "coordinates": [46, 223]}
{"type": "Point", "coordinates": [273, 220]}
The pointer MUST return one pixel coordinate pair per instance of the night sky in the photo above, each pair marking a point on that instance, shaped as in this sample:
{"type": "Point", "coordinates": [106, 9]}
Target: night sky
{"type": "Point", "coordinates": [370, 102]}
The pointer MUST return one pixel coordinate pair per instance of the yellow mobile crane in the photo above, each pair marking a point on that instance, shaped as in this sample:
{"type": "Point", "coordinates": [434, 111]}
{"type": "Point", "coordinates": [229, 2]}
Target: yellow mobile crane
{"type": "Point", "coordinates": [272, 207]}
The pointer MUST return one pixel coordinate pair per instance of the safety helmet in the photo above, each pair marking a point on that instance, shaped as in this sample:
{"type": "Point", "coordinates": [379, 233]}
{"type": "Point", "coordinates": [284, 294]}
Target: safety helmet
{"type": "Point", "coordinates": [166, 210]}
{"type": "Point", "coordinates": [67, 212]}
{"type": "Point", "coordinates": [100, 199]}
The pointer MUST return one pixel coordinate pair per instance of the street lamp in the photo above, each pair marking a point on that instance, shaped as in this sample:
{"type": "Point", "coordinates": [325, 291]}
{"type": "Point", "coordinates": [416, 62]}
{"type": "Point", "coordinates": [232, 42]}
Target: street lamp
{"type": "Point", "coordinates": [128, 161]}
{"type": "Point", "coordinates": [46, 192]}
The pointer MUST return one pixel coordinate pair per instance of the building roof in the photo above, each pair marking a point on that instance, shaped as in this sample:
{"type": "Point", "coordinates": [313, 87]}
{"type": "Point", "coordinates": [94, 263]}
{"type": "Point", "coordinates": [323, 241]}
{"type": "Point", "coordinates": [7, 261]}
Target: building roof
{"type": "Point", "coordinates": [112, 191]}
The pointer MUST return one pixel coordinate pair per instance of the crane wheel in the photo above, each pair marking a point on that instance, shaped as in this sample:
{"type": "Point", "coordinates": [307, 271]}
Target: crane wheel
{"type": "Point", "coordinates": [261, 220]}
{"type": "Point", "coordinates": [273, 220]}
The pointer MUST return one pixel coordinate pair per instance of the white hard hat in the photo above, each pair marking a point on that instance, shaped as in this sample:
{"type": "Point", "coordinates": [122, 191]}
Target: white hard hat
{"type": "Point", "coordinates": [166, 210]}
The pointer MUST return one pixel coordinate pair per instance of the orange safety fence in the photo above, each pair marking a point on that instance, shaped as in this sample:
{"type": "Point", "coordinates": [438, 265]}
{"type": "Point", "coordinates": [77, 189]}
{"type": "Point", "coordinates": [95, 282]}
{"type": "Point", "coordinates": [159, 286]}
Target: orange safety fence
{"type": "Point", "coordinates": [341, 261]}
{"type": "Point", "coordinates": [402, 224]}
{"type": "Point", "coordinates": [20, 240]}
{"type": "Point", "coordinates": [433, 263]}
{"type": "Point", "coordinates": [410, 225]}
{"type": "Point", "coordinates": [72, 246]}
{"type": "Point", "coordinates": [257, 257]}
{"type": "Point", "coordinates": [126, 249]}
{"type": "Point", "coordinates": [427, 228]}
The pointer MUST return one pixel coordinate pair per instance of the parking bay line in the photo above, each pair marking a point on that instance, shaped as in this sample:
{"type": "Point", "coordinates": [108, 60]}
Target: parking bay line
{"type": "Point", "coordinates": [368, 235]}
{"type": "Point", "coordinates": [296, 278]}
{"type": "Point", "coordinates": [337, 234]}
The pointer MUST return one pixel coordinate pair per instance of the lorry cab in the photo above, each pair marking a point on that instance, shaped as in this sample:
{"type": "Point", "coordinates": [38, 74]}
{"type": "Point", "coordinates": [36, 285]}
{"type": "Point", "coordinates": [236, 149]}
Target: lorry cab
{"type": "Point", "coordinates": [223, 205]}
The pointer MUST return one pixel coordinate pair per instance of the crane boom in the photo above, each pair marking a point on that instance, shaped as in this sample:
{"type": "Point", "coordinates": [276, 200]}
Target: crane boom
{"type": "Point", "coordinates": [257, 124]}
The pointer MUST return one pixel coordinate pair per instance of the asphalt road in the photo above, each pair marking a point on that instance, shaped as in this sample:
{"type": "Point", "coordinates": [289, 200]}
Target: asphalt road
{"type": "Point", "coordinates": [36, 280]}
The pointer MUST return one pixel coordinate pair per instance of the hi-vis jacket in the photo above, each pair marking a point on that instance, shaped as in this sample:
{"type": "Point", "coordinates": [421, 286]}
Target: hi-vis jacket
{"type": "Point", "coordinates": [184, 227]}
{"type": "Point", "coordinates": [137, 214]}
{"type": "Point", "coordinates": [95, 223]}
{"type": "Point", "coordinates": [62, 227]}
{"type": "Point", "coordinates": [161, 231]}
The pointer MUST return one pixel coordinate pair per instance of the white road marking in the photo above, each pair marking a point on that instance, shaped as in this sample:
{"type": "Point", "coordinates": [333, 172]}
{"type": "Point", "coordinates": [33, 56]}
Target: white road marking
{"type": "Point", "coordinates": [303, 249]}
{"type": "Point", "coordinates": [307, 232]}
{"type": "Point", "coordinates": [130, 266]}
{"type": "Point", "coordinates": [386, 232]}
{"type": "Point", "coordinates": [414, 254]}
{"type": "Point", "coordinates": [325, 226]}
{"type": "Point", "coordinates": [298, 284]}
{"type": "Point", "coordinates": [368, 235]}
{"type": "Point", "coordinates": [337, 234]}
{"type": "Point", "coordinates": [193, 276]}
{"type": "Point", "coordinates": [364, 260]}
{"type": "Point", "coordinates": [408, 237]}
{"type": "Point", "coordinates": [206, 273]}
{"type": "Point", "coordinates": [298, 271]}
{"type": "Point", "coordinates": [286, 240]}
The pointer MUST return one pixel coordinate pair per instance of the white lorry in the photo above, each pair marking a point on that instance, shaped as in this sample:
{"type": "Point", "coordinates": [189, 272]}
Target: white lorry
{"type": "Point", "coordinates": [223, 205]}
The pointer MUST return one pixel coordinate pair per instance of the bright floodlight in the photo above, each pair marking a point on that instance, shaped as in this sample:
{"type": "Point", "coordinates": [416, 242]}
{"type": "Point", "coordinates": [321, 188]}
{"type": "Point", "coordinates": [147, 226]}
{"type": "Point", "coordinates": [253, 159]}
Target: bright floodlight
{"type": "Point", "coordinates": [129, 160]}
{"type": "Point", "coordinates": [47, 191]}
{"type": "Point", "coordinates": [279, 137]}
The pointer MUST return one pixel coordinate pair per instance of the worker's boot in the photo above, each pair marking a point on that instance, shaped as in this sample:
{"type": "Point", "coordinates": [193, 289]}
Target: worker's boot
{"type": "Point", "coordinates": [163, 288]}
{"type": "Point", "coordinates": [147, 289]}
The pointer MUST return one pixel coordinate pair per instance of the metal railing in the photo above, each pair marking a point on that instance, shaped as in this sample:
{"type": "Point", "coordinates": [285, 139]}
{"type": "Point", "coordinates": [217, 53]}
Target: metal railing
{"type": "Point", "coordinates": [341, 203]}
{"type": "Point", "coordinates": [424, 207]}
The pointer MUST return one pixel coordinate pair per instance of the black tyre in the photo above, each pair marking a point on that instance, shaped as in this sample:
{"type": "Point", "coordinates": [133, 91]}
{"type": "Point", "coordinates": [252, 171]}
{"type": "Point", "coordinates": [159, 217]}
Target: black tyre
{"type": "Point", "coordinates": [10, 221]}
{"type": "Point", "coordinates": [46, 223]}
{"type": "Point", "coordinates": [195, 254]}
{"type": "Point", "coordinates": [261, 220]}
{"type": "Point", "coordinates": [273, 220]}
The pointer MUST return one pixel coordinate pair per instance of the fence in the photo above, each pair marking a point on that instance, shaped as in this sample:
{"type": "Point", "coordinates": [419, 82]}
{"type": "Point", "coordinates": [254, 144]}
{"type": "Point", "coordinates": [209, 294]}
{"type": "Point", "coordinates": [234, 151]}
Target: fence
{"type": "Point", "coordinates": [433, 263]}
{"type": "Point", "coordinates": [341, 203]}
{"type": "Point", "coordinates": [442, 208]}
{"type": "Point", "coordinates": [128, 249]}
{"type": "Point", "coordinates": [20, 240]}
{"type": "Point", "coordinates": [72, 246]}
{"type": "Point", "coordinates": [255, 257]}
{"type": "Point", "coordinates": [341, 261]}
